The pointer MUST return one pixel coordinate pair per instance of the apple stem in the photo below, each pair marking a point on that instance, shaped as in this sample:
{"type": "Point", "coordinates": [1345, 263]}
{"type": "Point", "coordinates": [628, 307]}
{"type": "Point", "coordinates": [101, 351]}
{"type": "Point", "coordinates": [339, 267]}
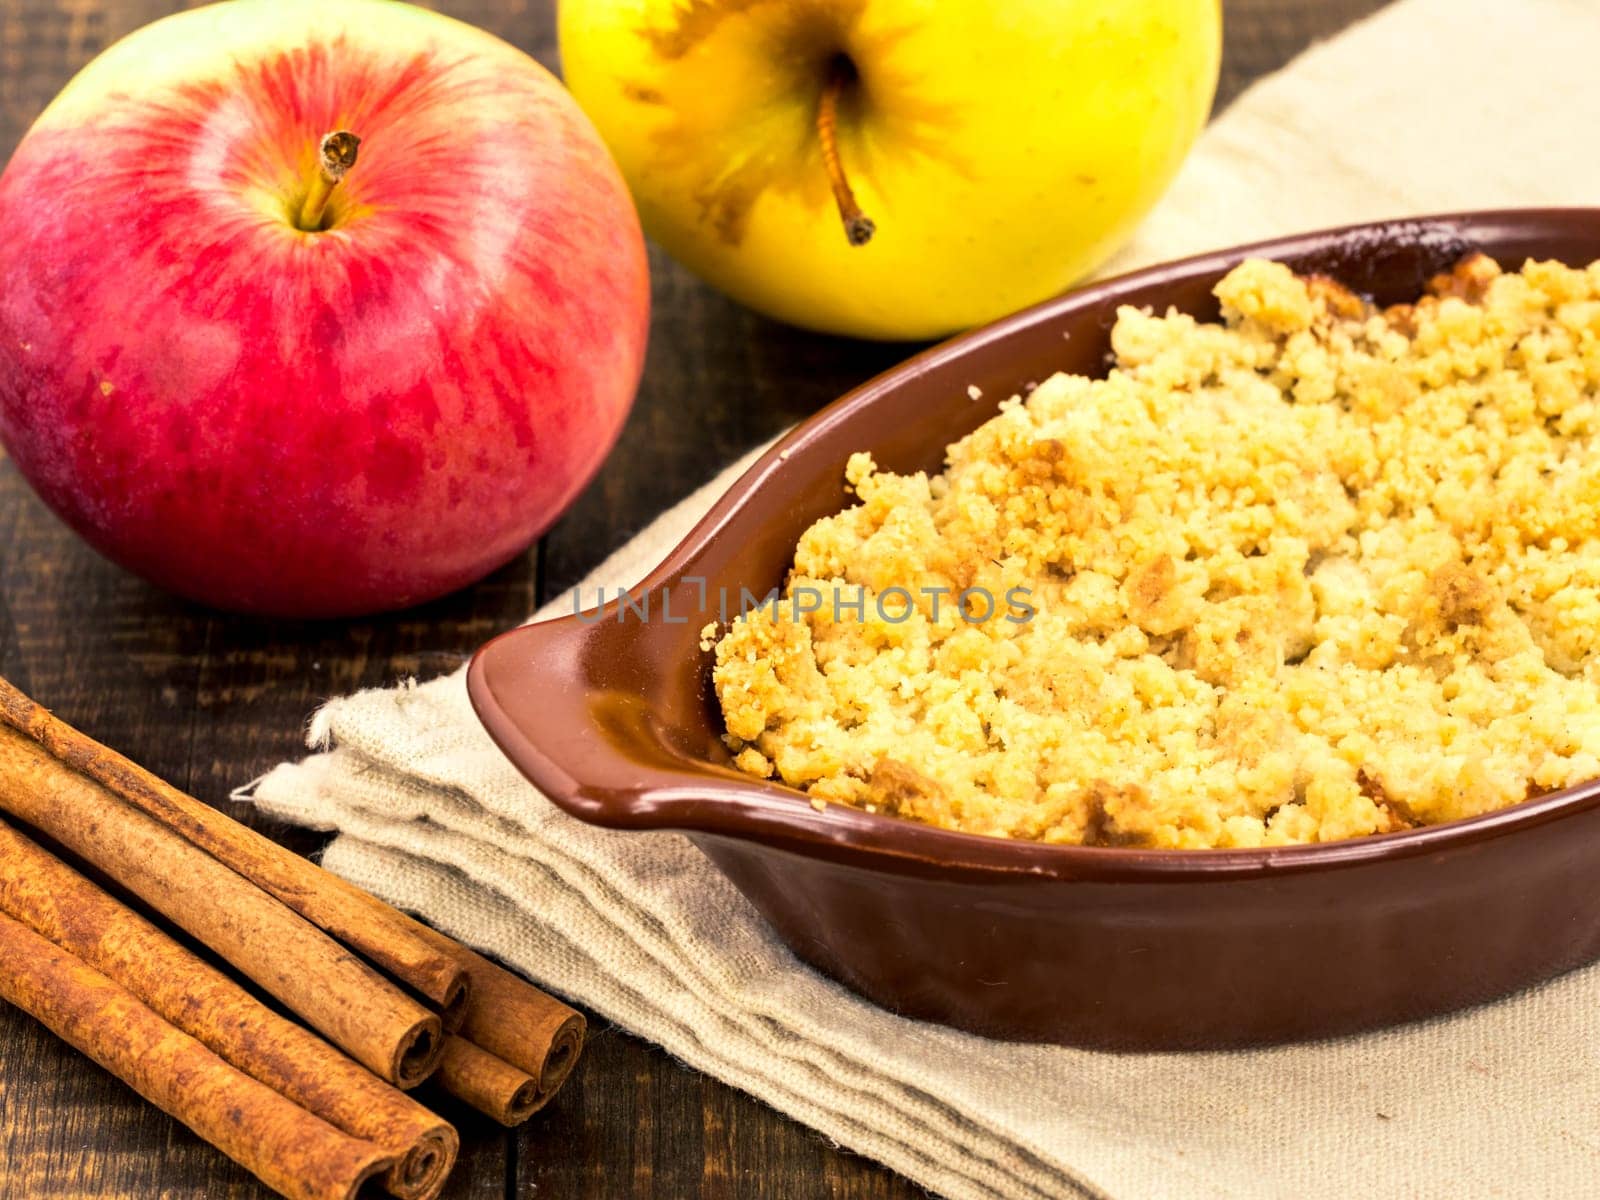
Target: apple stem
{"type": "Point", "coordinates": [336, 154]}
{"type": "Point", "coordinates": [858, 227]}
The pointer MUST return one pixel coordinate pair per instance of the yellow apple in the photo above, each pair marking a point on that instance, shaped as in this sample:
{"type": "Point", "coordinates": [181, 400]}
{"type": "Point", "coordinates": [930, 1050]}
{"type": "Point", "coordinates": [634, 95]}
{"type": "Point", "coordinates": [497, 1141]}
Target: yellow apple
{"type": "Point", "coordinates": [893, 168]}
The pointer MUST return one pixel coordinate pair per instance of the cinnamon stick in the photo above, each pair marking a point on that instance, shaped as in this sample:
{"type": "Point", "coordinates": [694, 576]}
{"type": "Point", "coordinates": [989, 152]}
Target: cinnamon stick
{"type": "Point", "coordinates": [56, 902]}
{"type": "Point", "coordinates": [373, 929]}
{"type": "Point", "coordinates": [516, 1022]}
{"type": "Point", "coordinates": [504, 1014]}
{"type": "Point", "coordinates": [490, 1084]}
{"type": "Point", "coordinates": [333, 991]}
{"type": "Point", "coordinates": [291, 1150]}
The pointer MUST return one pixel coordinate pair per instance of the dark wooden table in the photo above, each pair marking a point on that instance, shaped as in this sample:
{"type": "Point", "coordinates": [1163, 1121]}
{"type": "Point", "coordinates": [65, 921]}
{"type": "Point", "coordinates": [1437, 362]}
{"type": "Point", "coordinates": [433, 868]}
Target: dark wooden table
{"type": "Point", "coordinates": [209, 700]}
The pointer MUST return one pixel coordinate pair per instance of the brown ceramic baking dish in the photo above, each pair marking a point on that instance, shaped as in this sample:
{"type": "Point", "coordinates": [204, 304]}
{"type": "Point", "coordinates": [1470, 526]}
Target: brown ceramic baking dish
{"type": "Point", "coordinates": [615, 720]}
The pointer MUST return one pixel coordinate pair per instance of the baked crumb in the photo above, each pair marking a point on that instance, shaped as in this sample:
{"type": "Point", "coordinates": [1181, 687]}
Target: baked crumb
{"type": "Point", "coordinates": [1316, 571]}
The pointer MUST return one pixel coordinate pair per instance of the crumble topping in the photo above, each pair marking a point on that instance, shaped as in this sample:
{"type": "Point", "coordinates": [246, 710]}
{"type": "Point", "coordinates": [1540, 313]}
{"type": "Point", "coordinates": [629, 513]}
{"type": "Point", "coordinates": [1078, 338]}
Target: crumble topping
{"type": "Point", "coordinates": [1316, 571]}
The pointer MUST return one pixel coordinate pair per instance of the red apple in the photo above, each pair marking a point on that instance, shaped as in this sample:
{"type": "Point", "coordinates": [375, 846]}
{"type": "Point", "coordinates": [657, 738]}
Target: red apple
{"type": "Point", "coordinates": [357, 414]}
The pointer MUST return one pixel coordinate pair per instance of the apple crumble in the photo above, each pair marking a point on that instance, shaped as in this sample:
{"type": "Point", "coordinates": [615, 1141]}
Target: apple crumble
{"type": "Point", "coordinates": [1316, 571]}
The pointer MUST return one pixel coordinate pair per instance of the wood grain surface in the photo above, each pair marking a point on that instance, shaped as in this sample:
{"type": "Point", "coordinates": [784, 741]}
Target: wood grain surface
{"type": "Point", "coordinates": [210, 701]}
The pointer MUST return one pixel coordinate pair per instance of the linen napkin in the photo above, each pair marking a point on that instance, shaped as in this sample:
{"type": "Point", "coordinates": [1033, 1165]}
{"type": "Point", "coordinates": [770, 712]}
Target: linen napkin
{"type": "Point", "coordinates": [1431, 105]}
